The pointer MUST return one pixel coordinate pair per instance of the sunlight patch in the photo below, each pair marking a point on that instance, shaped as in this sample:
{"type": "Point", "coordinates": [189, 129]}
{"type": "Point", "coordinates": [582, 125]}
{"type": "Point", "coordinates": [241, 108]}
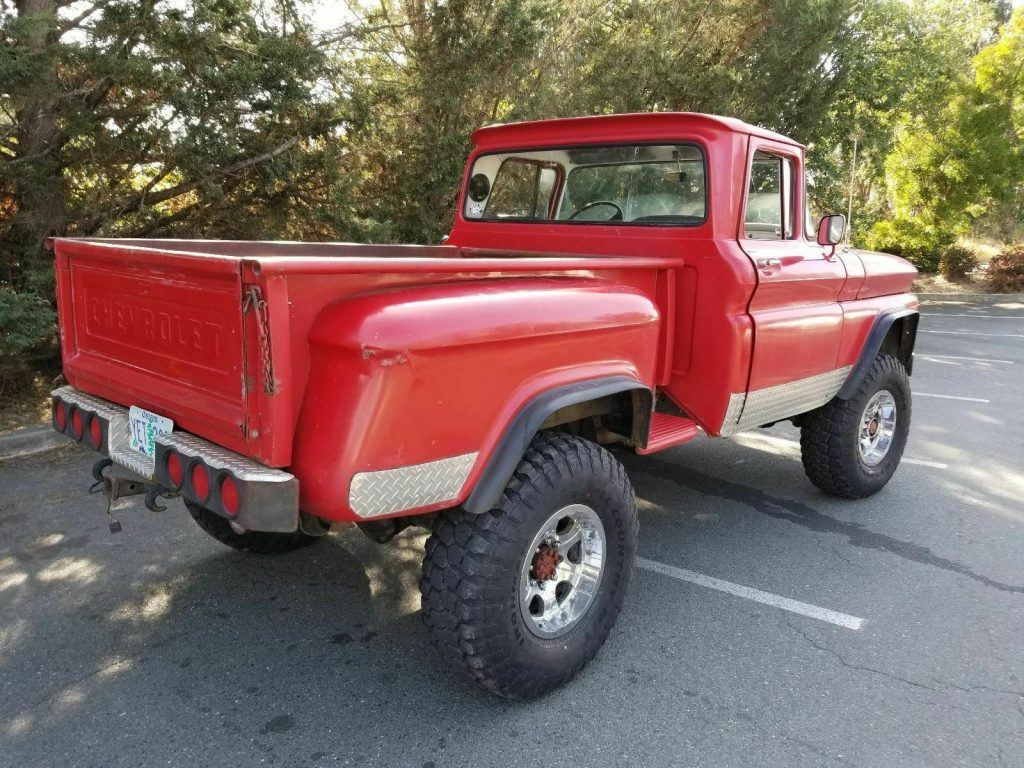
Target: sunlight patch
{"type": "Point", "coordinates": [9, 580]}
{"type": "Point", "coordinates": [76, 569]}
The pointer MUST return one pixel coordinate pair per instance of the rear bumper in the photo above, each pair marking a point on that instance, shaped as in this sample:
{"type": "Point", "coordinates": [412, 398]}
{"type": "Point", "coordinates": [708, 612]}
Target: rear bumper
{"type": "Point", "coordinates": [255, 497]}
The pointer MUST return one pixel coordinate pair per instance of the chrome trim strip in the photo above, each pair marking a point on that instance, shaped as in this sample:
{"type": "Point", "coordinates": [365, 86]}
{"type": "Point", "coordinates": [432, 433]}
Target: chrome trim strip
{"type": "Point", "coordinates": [387, 491]}
{"type": "Point", "coordinates": [763, 406]}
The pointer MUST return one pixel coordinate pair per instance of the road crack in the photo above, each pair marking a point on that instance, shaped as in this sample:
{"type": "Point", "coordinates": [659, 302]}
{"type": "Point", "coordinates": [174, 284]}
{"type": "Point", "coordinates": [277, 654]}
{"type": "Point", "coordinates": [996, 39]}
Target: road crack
{"type": "Point", "coordinates": [858, 667]}
{"type": "Point", "coordinates": [77, 681]}
{"type": "Point", "coordinates": [946, 684]}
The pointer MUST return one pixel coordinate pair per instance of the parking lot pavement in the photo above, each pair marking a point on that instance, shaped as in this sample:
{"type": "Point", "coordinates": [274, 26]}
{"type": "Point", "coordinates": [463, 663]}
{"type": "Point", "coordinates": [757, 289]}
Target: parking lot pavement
{"type": "Point", "coordinates": [157, 646]}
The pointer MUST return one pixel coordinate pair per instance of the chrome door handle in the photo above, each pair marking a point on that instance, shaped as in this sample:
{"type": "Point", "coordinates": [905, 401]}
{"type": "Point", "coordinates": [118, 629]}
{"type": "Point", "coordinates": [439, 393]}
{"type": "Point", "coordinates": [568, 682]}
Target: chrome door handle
{"type": "Point", "coordinates": [767, 264]}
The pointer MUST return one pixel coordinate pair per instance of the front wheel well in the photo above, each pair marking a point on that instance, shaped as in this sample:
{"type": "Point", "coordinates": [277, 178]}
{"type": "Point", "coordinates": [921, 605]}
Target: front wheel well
{"type": "Point", "coordinates": [899, 340]}
{"type": "Point", "coordinates": [894, 334]}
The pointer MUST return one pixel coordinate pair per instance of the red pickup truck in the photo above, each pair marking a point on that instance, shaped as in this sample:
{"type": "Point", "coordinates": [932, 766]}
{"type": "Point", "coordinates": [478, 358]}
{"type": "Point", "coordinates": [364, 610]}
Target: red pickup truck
{"type": "Point", "coordinates": [617, 283]}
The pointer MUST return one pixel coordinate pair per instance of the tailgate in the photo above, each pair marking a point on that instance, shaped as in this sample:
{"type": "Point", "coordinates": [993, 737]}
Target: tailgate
{"type": "Point", "coordinates": [161, 330]}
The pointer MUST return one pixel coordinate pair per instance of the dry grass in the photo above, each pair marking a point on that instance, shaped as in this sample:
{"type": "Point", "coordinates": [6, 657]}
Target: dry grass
{"type": "Point", "coordinates": [25, 395]}
{"type": "Point", "coordinates": [936, 283]}
{"type": "Point", "coordinates": [983, 248]}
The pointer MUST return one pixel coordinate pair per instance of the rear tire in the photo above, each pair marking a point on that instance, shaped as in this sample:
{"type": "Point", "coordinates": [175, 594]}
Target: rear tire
{"type": "Point", "coordinates": [849, 447]}
{"type": "Point", "coordinates": [257, 542]}
{"type": "Point", "coordinates": [480, 570]}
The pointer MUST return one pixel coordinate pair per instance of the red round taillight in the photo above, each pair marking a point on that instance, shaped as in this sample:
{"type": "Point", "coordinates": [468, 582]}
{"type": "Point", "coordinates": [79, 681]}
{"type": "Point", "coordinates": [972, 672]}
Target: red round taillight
{"type": "Point", "coordinates": [96, 432]}
{"type": "Point", "coordinates": [200, 482]}
{"type": "Point", "coordinates": [175, 471]}
{"type": "Point", "coordinates": [60, 415]}
{"type": "Point", "coordinates": [229, 495]}
{"type": "Point", "coordinates": [77, 426]}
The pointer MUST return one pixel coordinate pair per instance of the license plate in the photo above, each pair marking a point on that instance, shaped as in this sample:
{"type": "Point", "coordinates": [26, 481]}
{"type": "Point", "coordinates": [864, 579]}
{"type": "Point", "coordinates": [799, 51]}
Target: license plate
{"type": "Point", "coordinates": [144, 427]}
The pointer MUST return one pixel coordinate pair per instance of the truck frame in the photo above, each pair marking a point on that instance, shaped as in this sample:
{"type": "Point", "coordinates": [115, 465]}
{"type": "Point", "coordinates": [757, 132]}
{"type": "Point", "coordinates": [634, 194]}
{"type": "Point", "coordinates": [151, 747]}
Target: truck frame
{"type": "Point", "coordinates": [617, 283]}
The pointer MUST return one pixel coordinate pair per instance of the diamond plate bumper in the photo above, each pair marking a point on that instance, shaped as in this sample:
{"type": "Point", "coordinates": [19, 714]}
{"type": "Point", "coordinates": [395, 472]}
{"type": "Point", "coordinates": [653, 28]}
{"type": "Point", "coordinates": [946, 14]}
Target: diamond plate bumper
{"type": "Point", "coordinates": [268, 499]}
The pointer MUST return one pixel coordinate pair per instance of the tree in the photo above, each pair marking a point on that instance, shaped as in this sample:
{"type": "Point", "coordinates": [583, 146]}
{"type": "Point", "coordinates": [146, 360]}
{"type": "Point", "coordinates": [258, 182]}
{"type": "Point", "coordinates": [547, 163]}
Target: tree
{"type": "Point", "coordinates": [967, 163]}
{"type": "Point", "coordinates": [420, 76]}
{"type": "Point", "coordinates": [126, 118]}
{"type": "Point", "coordinates": [900, 61]}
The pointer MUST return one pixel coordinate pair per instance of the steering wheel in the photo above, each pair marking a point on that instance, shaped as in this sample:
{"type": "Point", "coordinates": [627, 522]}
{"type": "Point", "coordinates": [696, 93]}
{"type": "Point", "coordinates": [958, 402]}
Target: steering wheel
{"type": "Point", "coordinates": [616, 217]}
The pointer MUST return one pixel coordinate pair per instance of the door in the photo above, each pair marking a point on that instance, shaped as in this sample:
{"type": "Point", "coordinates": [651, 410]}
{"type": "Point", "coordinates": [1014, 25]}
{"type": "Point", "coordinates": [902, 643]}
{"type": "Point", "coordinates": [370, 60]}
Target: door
{"type": "Point", "coordinates": [795, 308]}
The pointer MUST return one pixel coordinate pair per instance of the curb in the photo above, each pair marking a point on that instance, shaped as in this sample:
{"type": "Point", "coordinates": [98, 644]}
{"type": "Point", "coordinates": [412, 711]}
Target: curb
{"type": "Point", "coordinates": [29, 441]}
{"type": "Point", "coordinates": [985, 297]}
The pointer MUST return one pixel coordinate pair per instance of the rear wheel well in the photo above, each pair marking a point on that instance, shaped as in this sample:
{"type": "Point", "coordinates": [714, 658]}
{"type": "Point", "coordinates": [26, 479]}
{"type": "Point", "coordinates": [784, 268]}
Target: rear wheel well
{"type": "Point", "coordinates": [608, 409]}
{"type": "Point", "coordinates": [623, 417]}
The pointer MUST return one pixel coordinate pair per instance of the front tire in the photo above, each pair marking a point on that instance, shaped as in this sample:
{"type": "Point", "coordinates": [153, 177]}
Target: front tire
{"type": "Point", "coordinates": [523, 596]}
{"type": "Point", "coordinates": [257, 542]}
{"type": "Point", "coordinates": [851, 448]}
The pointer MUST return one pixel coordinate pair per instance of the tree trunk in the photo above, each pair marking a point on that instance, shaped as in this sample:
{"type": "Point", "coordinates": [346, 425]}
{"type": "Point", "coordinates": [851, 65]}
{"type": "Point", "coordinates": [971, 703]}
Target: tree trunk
{"type": "Point", "coordinates": [36, 172]}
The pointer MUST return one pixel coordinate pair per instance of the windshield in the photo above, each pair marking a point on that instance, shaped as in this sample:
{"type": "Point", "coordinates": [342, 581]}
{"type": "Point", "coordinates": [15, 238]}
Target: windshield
{"type": "Point", "coordinates": [636, 184]}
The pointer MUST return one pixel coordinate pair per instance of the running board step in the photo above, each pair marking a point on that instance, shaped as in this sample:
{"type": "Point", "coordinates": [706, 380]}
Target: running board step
{"type": "Point", "coordinates": [668, 430]}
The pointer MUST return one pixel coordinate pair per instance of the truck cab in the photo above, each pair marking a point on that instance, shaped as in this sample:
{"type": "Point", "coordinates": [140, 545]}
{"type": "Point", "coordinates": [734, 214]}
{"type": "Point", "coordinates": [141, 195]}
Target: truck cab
{"type": "Point", "coordinates": [761, 304]}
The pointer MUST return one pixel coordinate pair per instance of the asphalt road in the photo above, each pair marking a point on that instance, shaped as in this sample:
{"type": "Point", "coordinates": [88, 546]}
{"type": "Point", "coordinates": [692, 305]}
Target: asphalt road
{"type": "Point", "coordinates": [158, 646]}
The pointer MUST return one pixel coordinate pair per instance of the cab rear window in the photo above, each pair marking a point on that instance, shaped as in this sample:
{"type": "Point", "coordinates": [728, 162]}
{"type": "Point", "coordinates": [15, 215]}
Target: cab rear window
{"type": "Point", "coordinates": [661, 184]}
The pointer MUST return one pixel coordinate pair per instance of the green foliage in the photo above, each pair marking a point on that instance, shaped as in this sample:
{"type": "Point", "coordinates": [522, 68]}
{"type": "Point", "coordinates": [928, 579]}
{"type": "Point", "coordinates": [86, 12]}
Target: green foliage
{"type": "Point", "coordinates": [951, 170]}
{"type": "Point", "coordinates": [957, 262]}
{"type": "Point", "coordinates": [922, 245]}
{"type": "Point", "coordinates": [25, 321]}
{"type": "Point", "coordinates": [1006, 270]}
{"type": "Point", "coordinates": [900, 60]}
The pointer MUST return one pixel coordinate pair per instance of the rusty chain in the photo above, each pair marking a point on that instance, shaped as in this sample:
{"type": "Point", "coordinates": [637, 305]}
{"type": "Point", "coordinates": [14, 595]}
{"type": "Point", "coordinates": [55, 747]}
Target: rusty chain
{"type": "Point", "coordinates": [254, 300]}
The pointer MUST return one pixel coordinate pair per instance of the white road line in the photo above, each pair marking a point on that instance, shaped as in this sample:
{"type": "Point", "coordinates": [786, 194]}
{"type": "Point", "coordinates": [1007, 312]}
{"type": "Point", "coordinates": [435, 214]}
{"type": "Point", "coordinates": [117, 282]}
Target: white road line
{"type": "Point", "coordinates": [749, 593]}
{"type": "Point", "coordinates": [922, 463]}
{"type": "Point", "coordinates": [958, 357]}
{"type": "Point", "coordinates": [971, 314]}
{"type": "Point", "coordinates": [951, 397]}
{"type": "Point", "coordinates": [972, 333]}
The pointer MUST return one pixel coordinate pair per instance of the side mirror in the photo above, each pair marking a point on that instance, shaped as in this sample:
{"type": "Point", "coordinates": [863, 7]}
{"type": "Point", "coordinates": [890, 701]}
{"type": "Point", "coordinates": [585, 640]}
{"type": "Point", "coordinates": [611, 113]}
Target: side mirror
{"type": "Point", "coordinates": [831, 229]}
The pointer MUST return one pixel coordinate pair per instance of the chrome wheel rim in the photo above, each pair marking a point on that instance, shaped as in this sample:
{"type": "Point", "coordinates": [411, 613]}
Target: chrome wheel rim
{"type": "Point", "coordinates": [562, 571]}
{"type": "Point", "coordinates": [877, 427]}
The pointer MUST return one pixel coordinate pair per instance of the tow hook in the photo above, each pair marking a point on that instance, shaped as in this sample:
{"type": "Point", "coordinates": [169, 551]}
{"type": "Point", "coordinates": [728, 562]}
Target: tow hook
{"type": "Point", "coordinates": [117, 482]}
{"type": "Point", "coordinates": [154, 493]}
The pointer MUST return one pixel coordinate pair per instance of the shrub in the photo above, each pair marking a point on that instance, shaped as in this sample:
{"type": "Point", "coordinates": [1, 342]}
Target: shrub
{"type": "Point", "coordinates": [957, 262]}
{"type": "Point", "coordinates": [920, 245]}
{"type": "Point", "coordinates": [26, 321]}
{"type": "Point", "coordinates": [1006, 270]}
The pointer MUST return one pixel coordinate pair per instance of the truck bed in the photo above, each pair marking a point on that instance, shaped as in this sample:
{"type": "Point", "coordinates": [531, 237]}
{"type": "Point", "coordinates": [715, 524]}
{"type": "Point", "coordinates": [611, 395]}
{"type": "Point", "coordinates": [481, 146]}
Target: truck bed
{"type": "Point", "coordinates": [213, 334]}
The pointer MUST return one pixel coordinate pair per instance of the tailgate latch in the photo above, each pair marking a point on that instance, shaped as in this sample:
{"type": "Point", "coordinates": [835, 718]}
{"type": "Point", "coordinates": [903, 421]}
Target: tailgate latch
{"type": "Point", "coordinates": [254, 300]}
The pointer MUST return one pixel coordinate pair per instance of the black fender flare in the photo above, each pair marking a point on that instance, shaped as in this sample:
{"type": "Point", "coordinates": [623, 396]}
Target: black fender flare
{"type": "Point", "coordinates": [873, 344]}
{"type": "Point", "coordinates": [525, 424]}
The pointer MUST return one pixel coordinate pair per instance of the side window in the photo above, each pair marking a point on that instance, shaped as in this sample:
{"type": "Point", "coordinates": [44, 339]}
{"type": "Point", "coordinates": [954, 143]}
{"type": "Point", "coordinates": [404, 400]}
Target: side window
{"type": "Point", "coordinates": [522, 190]}
{"type": "Point", "coordinates": [770, 209]}
{"type": "Point", "coordinates": [812, 214]}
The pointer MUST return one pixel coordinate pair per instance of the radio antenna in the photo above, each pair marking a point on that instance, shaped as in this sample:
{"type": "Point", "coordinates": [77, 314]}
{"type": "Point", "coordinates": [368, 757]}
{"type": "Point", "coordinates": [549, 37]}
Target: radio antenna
{"type": "Point", "coordinates": [853, 179]}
